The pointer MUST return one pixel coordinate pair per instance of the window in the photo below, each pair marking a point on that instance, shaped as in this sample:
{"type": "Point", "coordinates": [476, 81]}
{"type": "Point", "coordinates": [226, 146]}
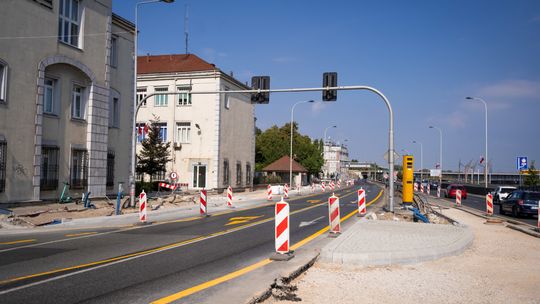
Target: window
{"type": "Point", "coordinates": [79, 168]}
{"type": "Point", "coordinates": [69, 22]}
{"type": "Point", "coordinates": [114, 113]}
{"type": "Point", "coordinates": [3, 157]}
{"type": "Point", "coordinates": [162, 99]}
{"type": "Point", "coordinates": [142, 130]}
{"type": "Point", "coordinates": [3, 81]}
{"type": "Point", "coordinates": [141, 94]}
{"type": "Point", "coordinates": [49, 167]}
{"type": "Point", "coordinates": [248, 174]}
{"type": "Point", "coordinates": [160, 175]}
{"type": "Point", "coordinates": [238, 173]}
{"type": "Point", "coordinates": [227, 99]}
{"type": "Point", "coordinates": [110, 169]}
{"type": "Point", "coordinates": [183, 132]}
{"type": "Point", "coordinates": [50, 96]}
{"type": "Point", "coordinates": [114, 51]}
{"type": "Point", "coordinates": [162, 131]}
{"type": "Point", "coordinates": [225, 172]}
{"type": "Point", "coordinates": [184, 97]}
{"type": "Point", "coordinates": [77, 102]}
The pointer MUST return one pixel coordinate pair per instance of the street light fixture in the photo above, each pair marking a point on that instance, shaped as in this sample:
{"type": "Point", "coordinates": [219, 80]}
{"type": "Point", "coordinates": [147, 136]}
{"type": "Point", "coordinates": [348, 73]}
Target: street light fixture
{"type": "Point", "coordinates": [486, 159]}
{"type": "Point", "coordinates": [421, 159]}
{"type": "Point", "coordinates": [292, 123]}
{"type": "Point", "coordinates": [134, 124]}
{"type": "Point", "coordinates": [440, 153]}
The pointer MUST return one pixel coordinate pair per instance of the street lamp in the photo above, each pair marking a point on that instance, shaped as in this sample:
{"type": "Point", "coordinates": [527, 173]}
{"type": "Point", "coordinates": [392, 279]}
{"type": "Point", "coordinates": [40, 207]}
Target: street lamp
{"type": "Point", "coordinates": [486, 159]}
{"type": "Point", "coordinates": [421, 159]}
{"type": "Point", "coordinates": [324, 142]}
{"type": "Point", "coordinates": [440, 153]}
{"type": "Point", "coordinates": [292, 123]}
{"type": "Point", "coordinates": [134, 124]}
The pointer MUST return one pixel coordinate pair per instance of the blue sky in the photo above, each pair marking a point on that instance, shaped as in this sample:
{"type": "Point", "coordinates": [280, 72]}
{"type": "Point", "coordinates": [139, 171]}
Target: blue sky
{"type": "Point", "coordinates": [425, 56]}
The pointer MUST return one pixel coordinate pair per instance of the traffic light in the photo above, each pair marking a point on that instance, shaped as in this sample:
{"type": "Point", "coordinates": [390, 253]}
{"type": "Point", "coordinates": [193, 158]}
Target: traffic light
{"type": "Point", "coordinates": [260, 83]}
{"type": "Point", "coordinates": [329, 80]}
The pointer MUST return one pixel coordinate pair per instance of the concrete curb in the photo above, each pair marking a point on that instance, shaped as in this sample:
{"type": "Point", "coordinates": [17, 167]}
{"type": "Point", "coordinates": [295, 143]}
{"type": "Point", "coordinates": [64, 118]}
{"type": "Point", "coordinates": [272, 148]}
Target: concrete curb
{"type": "Point", "coordinates": [527, 231]}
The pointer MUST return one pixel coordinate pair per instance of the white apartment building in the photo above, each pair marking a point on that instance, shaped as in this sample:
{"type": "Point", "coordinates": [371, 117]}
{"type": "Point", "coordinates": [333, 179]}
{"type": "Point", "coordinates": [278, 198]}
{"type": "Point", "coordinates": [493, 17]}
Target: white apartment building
{"type": "Point", "coordinates": [335, 157]}
{"type": "Point", "coordinates": [212, 135]}
{"type": "Point", "coordinates": [66, 91]}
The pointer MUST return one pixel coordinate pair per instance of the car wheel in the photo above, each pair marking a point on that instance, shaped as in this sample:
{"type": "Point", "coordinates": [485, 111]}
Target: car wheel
{"type": "Point", "coordinates": [515, 212]}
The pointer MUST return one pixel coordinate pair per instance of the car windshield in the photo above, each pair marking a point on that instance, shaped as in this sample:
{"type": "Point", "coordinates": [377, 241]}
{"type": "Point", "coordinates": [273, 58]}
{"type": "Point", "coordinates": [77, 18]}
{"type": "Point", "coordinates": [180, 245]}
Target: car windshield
{"type": "Point", "coordinates": [507, 190]}
{"type": "Point", "coordinates": [535, 196]}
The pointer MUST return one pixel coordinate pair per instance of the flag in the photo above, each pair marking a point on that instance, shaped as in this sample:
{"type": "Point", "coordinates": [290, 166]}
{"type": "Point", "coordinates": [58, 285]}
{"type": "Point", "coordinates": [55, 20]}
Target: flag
{"type": "Point", "coordinates": [481, 159]}
{"type": "Point", "coordinates": [437, 165]}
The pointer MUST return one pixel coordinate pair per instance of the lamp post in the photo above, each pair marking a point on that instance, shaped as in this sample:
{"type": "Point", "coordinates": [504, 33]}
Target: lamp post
{"type": "Point", "coordinates": [421, 159]}
{"type": "Point", "coordinates": [134, 124]}
{"type": "Point", "coordinates": [486, 159]}
{"type": "Point", "coordinates": [440, 153]}
{"type": "Point", "coordinates": [324, 142]}
{"type": "Point", "coordinates": [292, 124]}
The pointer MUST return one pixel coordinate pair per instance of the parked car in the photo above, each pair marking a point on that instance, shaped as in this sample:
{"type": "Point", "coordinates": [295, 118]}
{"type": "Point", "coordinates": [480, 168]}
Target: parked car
{"type": "Point", "coordinates": [434, 184]}
{"type": "Point", "coordinates": [501, 193]}
{"type": "Point", "coordinates": [450, 191]}
{"type": "Point", "coordinates": [520, 202]}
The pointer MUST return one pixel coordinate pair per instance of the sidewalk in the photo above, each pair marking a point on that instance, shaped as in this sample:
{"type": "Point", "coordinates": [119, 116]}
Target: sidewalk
{"type": "Point", "coordinates": [500, 266]}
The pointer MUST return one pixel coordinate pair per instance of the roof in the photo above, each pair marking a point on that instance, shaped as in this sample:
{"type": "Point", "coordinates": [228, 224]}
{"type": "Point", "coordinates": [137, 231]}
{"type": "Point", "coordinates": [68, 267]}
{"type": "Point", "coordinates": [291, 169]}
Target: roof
{"type": "Point", "coordinates": [172, 63]}
{"type": "Point", "coordinates": [282, 165]}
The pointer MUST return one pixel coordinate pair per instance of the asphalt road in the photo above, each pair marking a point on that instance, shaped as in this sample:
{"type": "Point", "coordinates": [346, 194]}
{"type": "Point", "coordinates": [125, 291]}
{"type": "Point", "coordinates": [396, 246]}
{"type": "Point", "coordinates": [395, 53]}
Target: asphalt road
{"type": "Point", "coordinates": [146, 263]}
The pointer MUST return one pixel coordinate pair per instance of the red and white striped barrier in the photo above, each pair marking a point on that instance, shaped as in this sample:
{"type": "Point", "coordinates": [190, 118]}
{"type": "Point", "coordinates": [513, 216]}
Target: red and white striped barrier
{"type": "Point", "coordinates": [439, 191]}
{"type": "Point", "coordinates": [422, 188]}
{"type": "Point", "coordinates": [416, 187]}
{"type": "Point", "coordinates": [428, 191]}
{"type": "Point", "coordinates": [167, 186]}
{"type": "Point", "coordinates": [458, 197]}
{"type": "Point", "coordinates": [489, 204]}
{"type": "Point", "coordinates": [282, 227]}
{"type": "Point", "coordinates": [143, 202]}
{"type": "Point", "coordinates": [332, 185]}
{"type": "Point", "coordinates": [333, 215]}
{"type": "Point", "coordinates": [361, 202]}
{"type": "Point", "coordinates": [339, 184]}
{"type": "Point", "coordinates": [286, 191]}
{"type": "Point", "coordinates": [323, 187]}
{"type": "Point", "coordinates": [229, 197]}
{"type": "Point", "coordinates": [269, 192]}
{"type": "Point", "coordinates": [202, 203]}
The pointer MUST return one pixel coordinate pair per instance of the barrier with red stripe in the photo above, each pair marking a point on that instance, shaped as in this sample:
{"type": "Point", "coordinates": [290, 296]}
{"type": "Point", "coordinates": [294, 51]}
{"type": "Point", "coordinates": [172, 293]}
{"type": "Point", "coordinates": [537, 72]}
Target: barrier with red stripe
{"type": "Point", "coordinates": [333, 214]}
{"type": "Point", "coordinates": [458, 197]}
{"type": "Point", "coordinates": [439, 191]}
{"type": "Point", "coordinates": [286, 190]}
{"type": "Point", "coordinates": [229, 197]}
{"type": "Point", "coordinates": [202, 203]}
{"type": "Point", "coordinates": [428, 191]}
{"type": "Point", "coordinates": [415, 186]}
{"type": "Point", "coordinates": [489, 204]}
{"type": "Point", "coordinates": [422, 188]}
{"type": "Point", "coordinates": [339, 184]}
{"type": "Point", "coordinates": [143, 201]}
{"type": "Point", "coordinates": [269, 192]}
{"type": "Point", "coordinates": [332, 185]}
{"type": "Point", "coordinates": [323, 187]}
{"type": "Point", "coordinates": [361, 202]}
{"type": "Point", "coordinates": [168, 186]}
{"type": "Point", "coordinates": [282, 227]}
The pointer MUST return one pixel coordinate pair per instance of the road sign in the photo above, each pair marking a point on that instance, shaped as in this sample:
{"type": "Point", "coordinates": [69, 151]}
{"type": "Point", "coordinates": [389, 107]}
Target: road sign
{"type": "Point", "coordinates": [173, 175]}
{"type": "Point", "coordinates": [521, 163]}
{"type": "Point", "coordinates": [387, 158]}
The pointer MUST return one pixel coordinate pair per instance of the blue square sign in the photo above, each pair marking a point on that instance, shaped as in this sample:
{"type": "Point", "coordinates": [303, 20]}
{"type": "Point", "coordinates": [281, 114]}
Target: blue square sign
{"type": "Point", "coordinates": [521, 163]}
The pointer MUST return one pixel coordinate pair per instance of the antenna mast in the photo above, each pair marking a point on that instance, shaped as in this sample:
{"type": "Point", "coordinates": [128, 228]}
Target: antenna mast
{"type": "Point", "coordinates": [186, 29]}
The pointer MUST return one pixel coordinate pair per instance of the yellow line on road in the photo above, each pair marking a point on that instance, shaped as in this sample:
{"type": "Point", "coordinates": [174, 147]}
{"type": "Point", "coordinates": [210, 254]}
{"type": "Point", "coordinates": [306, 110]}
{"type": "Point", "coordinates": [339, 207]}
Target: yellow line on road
{"type": "Point", "coordinates": [17, 242]}
{"type": "Point", "coordinates": [80, 234]}
{"type": "Point", "coordinates": [235, 274]}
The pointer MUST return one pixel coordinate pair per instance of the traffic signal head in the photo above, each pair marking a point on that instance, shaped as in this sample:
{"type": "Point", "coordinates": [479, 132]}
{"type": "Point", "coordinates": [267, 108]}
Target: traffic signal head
{"type": "Point", "coordinates": [329, 80]}
{"type": "Point", "coordinates": [260, 83]}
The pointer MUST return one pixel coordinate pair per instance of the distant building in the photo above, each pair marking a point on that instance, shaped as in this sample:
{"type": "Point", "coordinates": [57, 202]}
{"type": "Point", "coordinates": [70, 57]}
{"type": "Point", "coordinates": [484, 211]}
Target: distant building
{"type": "Point", "coordinates": [335, 156]}
{"type": "Point", "coordinates": [212, 135]}
{"type": "Point", "coordinates": [66, 91]}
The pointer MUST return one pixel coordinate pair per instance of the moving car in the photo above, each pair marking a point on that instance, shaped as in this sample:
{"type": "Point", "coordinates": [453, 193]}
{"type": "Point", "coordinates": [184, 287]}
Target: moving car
{"type": "Point", "coordinates": [520, 202]}
{"type": "Point", "coordinates": [501, 193]}
{"type": "Point", "coordinates": [450, 191]}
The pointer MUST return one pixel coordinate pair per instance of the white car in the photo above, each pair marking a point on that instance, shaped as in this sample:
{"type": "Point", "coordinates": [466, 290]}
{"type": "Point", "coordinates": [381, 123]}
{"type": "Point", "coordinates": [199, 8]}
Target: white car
{"type": "Point", "coordinates": [501, 193]}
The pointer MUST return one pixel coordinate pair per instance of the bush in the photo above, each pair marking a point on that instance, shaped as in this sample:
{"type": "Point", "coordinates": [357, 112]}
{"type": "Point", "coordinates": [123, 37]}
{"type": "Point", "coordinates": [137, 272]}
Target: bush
{"type": "Point", "coordinates": [147, 186]}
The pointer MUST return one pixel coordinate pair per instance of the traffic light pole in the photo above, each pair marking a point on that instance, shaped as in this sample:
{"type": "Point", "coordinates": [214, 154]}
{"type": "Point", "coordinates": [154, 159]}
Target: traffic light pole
{"type": "Point", "coordinates": [339, 88]}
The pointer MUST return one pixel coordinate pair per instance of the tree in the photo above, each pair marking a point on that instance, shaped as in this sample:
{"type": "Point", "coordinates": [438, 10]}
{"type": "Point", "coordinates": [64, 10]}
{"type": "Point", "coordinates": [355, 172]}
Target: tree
{"type": "Point", "coordinates": [155, 153]}
{"type": "Point", "coordinates": [532, 179]}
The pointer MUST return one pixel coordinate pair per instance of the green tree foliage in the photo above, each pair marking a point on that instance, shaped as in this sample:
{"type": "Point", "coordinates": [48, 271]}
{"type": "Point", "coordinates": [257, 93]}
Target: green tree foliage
{"type": "Point", "coordinates": [155, 153]}
{"type": "Point", "coordinates": [532, 179]}
{"type": "Point", "coordinates": [274, 143]}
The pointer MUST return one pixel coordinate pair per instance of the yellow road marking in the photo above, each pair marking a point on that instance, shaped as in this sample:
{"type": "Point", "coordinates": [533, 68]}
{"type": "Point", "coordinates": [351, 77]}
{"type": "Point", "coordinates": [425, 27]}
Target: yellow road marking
{"type": "Point", "coordinates": [235, 274]}
{"type": "Point", "coordinates": [80, 234]}
{"type": "Point", "coordinates": [241, 219]}
{"type": "Point", "coordinates": [313, 201]}
{"type": "Point", "coordinates": [17, 242]}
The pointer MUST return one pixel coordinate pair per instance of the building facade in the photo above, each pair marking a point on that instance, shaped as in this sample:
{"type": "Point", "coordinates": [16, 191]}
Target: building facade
{"type": "Point", "coordinates": [212, 136]}
{"type": "Point", "coordinates": [66, 98]}
{"type": "Point", "coordinates": [335, 156]}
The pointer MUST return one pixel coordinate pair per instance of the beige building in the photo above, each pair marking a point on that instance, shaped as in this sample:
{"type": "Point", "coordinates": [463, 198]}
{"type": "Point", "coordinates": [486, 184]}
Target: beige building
{"type": "Point", "coordinates": [335, 156]}
{"type": "Point", "coordinates": [66, 90]}
{"type": "Point", "coordinates": [212, 135]}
